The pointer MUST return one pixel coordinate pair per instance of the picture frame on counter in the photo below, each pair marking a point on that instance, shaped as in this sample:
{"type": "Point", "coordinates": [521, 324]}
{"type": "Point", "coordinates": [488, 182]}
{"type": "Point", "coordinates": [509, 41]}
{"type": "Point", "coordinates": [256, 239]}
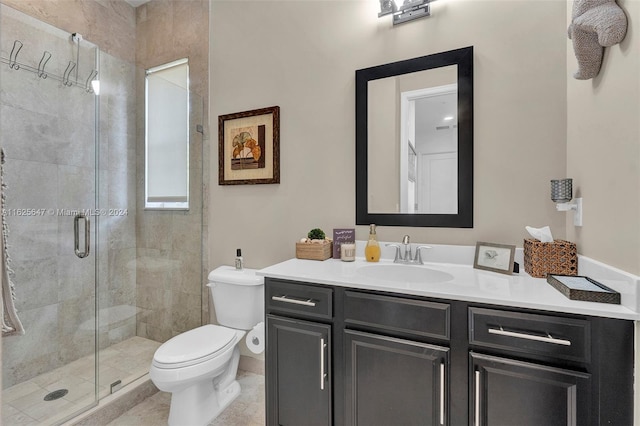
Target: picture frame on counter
{"type": "Point", "coordinates": [249, 147]}
{"type": "Point", "coordinates": [494, 257]}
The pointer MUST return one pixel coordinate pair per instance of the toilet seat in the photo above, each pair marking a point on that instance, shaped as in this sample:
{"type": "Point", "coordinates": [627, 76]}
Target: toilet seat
{"type": "Point", "coordinates": [194, 346]}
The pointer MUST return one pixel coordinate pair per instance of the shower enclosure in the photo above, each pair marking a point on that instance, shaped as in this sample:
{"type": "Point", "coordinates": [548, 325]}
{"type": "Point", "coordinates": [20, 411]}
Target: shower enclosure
{"type": "Point", "coordinates": [100, 282]}
{"type": "Point", "coordinates": [49, 127]}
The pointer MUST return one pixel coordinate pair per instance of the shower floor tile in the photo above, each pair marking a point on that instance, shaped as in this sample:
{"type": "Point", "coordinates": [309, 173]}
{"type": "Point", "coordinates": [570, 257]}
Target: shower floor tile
{"type": "Point", "coordinates": [24, 404]}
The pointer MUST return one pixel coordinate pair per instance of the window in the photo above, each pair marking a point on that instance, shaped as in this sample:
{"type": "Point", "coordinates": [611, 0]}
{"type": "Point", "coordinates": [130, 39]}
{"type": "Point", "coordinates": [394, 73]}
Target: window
{"type": "Point", "coordinates": [167, 136]}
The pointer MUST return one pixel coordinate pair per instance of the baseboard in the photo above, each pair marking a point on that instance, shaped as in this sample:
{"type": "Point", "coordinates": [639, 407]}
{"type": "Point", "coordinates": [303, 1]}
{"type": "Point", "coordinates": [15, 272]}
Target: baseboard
{"type": "Point", "coordinates": [251, 365]}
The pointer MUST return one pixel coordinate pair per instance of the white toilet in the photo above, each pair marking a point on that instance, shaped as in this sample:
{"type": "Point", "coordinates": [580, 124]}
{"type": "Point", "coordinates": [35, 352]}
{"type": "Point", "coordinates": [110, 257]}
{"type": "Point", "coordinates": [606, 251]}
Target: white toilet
{"type": "Point", "coordinates": [199, 366]}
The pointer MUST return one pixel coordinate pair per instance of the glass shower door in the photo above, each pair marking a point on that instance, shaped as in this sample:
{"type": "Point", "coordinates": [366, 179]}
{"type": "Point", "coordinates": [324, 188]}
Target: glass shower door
{"type": "Point", "coordinates": [48, 117]}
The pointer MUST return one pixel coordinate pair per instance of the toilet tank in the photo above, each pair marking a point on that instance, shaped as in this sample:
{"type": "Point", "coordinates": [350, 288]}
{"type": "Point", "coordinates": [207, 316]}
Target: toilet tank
{"type": "Point", "coordinates": [238, 297]}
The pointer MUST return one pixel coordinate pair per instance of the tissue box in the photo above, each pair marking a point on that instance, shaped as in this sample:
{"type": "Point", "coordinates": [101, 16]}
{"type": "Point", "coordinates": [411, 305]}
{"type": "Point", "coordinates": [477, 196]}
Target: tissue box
{"type": "Point", "coordinates": [559, 258]}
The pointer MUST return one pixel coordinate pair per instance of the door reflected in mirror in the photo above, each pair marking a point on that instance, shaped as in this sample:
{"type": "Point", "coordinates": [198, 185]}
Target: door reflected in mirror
{"type": "Point", "coordinates": [418, 113]}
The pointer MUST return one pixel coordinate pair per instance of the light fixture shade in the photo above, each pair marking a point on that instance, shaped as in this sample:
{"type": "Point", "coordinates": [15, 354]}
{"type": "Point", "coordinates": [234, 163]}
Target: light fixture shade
{"type": "Point", "coordinates": [561, 190]}
{"type": "Point", "coordinates": [411, 4]}
{"type": "Point", "coordinates": [387, 7]}
{"type": "Point", "coordinates": [405, 10]}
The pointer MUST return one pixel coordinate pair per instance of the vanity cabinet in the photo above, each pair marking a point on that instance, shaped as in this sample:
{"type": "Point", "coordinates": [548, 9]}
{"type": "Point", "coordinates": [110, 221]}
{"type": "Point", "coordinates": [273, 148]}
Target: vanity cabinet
{"type": "Point", "coordinates": [393, 381]}
{"type": "Point", "coordinates": [300, 369]}
{"type": "Point", "coordinates": [298, 354]}
{"type": "Point", "coordinates": [510, 392]}
{"type": "Point", "coordinates": [542, 374]}
{"type": "Point", "coordinates": [391, 375]}
{"type": "Point", "coordinates": [344, 356]}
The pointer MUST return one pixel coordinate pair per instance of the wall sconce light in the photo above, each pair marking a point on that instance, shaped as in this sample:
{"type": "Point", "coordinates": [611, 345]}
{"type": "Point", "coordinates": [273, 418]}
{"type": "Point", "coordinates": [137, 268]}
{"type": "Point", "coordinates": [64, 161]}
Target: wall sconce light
{"type": "Point", "coordinates": [561, 194]}
{"type": "Point", "coordinates": [405, 10]}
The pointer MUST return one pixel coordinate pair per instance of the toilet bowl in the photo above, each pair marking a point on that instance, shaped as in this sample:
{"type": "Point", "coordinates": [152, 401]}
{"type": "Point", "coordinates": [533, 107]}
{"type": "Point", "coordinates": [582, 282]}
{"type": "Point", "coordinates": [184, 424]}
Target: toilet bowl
{"type": "Point", "coordinates": [199, 367]}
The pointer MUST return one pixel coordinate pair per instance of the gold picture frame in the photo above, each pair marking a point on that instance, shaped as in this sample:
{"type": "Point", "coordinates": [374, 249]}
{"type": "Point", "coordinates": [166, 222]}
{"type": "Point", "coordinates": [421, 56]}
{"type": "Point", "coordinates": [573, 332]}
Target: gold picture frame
{"type": "Point", "coordinates": [494, 257]}
{"type": "Point", "coordinates": [249, 147]}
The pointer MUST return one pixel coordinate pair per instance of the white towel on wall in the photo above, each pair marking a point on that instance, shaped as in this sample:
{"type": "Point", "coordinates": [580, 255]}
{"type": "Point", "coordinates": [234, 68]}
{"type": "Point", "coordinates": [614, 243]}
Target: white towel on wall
{"type": "Point", "coordinates": [11, 324]}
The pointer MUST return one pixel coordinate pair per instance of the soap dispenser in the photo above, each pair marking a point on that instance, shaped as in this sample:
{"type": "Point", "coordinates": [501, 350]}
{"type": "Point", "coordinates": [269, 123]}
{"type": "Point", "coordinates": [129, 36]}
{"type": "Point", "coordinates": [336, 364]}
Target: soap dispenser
{"type": "Point", "coordinates": [239, 261]}
{"type": "Point", "coordinates": [372, 249]}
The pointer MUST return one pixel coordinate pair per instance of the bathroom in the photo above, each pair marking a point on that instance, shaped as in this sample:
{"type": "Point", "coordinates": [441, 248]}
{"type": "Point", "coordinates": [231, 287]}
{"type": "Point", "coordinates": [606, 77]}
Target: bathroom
{"type": "Point", "coordinates": [302, 57]}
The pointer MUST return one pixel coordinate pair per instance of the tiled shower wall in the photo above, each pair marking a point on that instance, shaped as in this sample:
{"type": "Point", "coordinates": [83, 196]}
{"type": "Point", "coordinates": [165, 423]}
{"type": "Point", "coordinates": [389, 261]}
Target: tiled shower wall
{"type": "Point", "coordinates": [48, 133]}
{"type": "Point", "coordinates": [159, 257]}
{"type": "Point", "coordinates": [170, 269]}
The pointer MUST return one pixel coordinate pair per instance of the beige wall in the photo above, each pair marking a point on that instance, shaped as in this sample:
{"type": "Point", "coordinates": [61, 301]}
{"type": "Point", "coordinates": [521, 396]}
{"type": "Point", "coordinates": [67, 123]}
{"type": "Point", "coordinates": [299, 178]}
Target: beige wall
{"type": "Point", "coordinates": [603, 151]}
{"type": "Point", "coordinates": [302, 56]}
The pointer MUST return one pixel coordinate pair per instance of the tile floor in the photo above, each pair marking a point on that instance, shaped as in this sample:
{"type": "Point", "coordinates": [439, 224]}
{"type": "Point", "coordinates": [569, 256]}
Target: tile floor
{"type": "Point", "coordinates": [23, 404]}
{"type": "Point", "coordinates": [247, 410]}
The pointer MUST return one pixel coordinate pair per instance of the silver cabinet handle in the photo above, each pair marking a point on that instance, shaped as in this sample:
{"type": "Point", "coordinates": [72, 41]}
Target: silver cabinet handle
{"type": "Point", "coordinates": [322, 367]}
{"type": "Point", "coordinates": [477, 399]}
{"type": "Point", "coordinates": [442, 393]}
{"type": "Point", "coordinates": [287, 299]}
{"type": "Point", "coordinates": [547, 339]}
{"type": "Point", "coordinates": [87, 235]}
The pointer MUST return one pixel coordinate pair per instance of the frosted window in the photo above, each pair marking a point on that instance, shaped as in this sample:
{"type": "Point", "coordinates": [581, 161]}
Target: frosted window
{"type": "Point", "coordinates": [167, 136]}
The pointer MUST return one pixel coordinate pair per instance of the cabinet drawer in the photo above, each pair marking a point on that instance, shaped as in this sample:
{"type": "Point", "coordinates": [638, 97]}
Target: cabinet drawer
{"type": "Point", "coordinates": [299, 299]}
{"type": "Point", "coordinates": [397, 315]}
{"type": "Point", "coordinates": [545, 335]}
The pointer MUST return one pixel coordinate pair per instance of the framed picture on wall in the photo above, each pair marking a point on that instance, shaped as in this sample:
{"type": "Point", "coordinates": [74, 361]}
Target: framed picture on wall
{"type": "Point", "coordinates": [494, 257]}
{"type": "Point", "coordinates": [249, 147]}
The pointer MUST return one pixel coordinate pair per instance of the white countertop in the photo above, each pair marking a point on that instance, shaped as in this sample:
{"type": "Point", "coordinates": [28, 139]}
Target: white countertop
{"type": "Point", "coordinates": [468, 284]}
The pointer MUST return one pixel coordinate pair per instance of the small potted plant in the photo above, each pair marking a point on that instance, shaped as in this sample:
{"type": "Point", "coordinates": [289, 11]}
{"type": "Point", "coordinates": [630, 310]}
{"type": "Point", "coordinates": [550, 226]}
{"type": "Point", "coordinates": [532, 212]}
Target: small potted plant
{"type": "Point", "coordinates": [315, 247]}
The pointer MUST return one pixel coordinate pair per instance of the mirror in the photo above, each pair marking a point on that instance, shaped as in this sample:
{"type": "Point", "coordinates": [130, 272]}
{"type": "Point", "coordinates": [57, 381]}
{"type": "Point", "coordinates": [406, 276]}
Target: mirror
{"type": "Point", "coordinates": [414, 142]}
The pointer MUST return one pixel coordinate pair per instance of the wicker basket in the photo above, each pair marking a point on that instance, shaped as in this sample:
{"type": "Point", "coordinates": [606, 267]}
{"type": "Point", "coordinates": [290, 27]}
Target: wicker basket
{"type": "Point", "coordinates": [314, 251]}
{"type": "Point", "coordinates": [559, 257]}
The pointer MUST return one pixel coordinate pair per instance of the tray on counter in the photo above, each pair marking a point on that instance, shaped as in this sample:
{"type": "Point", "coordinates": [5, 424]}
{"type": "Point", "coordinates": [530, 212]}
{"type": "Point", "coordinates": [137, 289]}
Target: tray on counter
{"type": "Point", "coordinates": [583, 288]}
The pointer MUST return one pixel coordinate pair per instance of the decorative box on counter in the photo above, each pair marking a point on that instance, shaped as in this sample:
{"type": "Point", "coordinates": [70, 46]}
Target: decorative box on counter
{"type": "Point", "coordinates": [314, 250]}
{"type": "Point", "coordinates": [559, 257]}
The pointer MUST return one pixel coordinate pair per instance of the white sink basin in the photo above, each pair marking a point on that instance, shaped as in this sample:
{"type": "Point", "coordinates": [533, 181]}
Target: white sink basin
{"type": "Point", "coordinates": [404, 273]}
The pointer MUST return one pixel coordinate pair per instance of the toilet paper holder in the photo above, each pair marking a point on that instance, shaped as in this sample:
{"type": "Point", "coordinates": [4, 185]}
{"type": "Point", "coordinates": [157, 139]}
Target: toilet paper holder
{"type": "Point", "coordinates": [255, 338]}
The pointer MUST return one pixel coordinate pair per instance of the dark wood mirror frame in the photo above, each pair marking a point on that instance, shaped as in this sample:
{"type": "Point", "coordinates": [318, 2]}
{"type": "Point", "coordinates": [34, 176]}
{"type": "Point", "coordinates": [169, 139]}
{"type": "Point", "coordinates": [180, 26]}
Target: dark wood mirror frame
{"type": "Point", "coordinates": [463, 58]}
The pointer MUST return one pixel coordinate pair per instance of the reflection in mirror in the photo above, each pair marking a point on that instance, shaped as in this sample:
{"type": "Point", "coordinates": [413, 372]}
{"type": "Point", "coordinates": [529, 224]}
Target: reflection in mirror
{"type": "Point", "coordinates": [418, 113]}
{"type": "Point", "coordinates": [414, 141]}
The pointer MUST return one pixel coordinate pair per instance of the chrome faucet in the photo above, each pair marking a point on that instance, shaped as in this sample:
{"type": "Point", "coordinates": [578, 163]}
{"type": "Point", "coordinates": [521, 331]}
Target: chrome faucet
{"type": "Point", "coordinates": [407, 247]}
{"type": "Point", "coordinates": [407, 258]}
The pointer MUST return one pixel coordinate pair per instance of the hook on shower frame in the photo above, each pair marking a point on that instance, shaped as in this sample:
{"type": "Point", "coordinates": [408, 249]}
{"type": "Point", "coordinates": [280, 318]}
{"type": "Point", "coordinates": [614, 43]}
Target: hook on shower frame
{"type": "Point", "coordinates": [13, 56]}
{"type": "Point", "coordinates": [88, 86]}
{"type": "Point", "coordinates": [66, 80]}
{"type": "Point", "coordinates": [43, 63]}
{"type": "Point", "coordinates": [91, 84]}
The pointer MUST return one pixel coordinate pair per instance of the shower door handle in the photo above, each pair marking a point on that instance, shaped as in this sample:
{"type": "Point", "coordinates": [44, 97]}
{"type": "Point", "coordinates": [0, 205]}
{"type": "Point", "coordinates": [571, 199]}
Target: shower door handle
{"type": "Point", "coordinates": [87, 235]}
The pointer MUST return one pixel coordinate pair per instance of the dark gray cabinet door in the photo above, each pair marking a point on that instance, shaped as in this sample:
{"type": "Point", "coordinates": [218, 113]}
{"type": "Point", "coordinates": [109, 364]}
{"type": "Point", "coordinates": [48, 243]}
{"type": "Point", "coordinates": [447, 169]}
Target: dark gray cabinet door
{"type": "Point", "coordinates": [298, 372]}
{"type": "Point", "coordinates": [507, 392]}
{"type": "Point", "coordinates": [392, 381]}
